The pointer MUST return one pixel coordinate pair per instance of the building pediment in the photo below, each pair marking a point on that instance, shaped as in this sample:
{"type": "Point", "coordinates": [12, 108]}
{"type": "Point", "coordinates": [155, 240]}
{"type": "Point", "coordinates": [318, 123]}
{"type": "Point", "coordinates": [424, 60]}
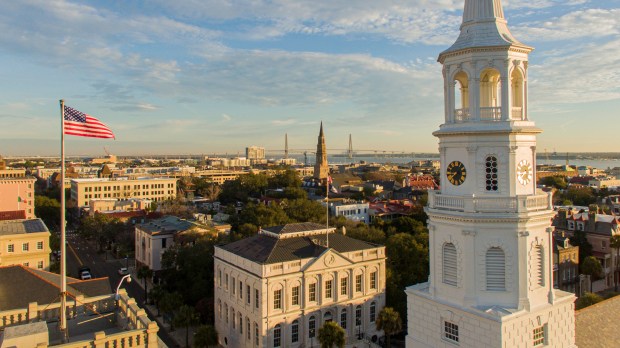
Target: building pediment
{"type": "Point", "coordinates": [329, 259]}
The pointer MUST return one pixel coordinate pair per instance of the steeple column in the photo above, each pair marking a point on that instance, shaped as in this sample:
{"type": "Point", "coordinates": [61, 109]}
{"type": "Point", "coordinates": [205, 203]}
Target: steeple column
{"type": "Point", "coordinates": [474, 98]}
{"type": "Point", "coordinates": [506, 97]}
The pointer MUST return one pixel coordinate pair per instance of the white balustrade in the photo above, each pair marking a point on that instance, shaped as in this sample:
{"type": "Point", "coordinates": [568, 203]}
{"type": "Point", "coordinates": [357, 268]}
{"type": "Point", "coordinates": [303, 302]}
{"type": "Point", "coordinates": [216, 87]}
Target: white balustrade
{"type": "Point", "coordinates": [489, 204]}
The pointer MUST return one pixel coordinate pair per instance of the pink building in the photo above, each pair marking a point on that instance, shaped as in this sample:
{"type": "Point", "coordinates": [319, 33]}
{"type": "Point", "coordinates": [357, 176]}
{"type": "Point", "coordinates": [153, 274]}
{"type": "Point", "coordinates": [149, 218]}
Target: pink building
{"type": "Point", "coordinates": [17, 197]}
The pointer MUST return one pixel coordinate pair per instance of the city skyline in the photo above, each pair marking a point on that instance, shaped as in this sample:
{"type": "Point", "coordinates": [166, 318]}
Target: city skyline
{"type": "Point", "coordinates": [213, 77]}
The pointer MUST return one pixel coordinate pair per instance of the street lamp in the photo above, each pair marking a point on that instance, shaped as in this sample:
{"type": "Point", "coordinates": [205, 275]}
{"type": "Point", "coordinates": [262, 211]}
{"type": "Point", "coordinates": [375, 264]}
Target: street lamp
{"type": "Point", "coordinates": [128, 277]}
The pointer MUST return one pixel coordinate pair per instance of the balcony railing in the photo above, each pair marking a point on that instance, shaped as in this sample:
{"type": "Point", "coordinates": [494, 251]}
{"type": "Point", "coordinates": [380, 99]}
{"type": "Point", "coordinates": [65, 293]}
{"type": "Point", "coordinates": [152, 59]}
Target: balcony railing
{"type": "Point", "coordinates": [475, 204]}
{"type": "Point", "coordinates": [491, 113]}
{"type": "Point", "coordinates": [462, 115]}
{"type": "Point", "coordinates": [517, 113]}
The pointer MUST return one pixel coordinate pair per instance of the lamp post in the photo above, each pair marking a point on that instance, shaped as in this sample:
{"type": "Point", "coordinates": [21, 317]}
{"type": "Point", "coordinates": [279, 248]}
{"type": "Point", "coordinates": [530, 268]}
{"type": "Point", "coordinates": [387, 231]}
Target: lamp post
{"type": "Point", "coordinates": [128, 277]}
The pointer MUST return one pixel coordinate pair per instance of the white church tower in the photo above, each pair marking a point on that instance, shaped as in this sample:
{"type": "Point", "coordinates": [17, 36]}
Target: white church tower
{"type": "Point", "coordinates": [490, 282]}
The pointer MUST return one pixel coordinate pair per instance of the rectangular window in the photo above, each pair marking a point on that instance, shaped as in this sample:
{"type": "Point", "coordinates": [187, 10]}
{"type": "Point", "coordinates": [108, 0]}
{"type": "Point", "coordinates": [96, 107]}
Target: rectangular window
{"type": "Point", "coordinates": [233, 285]}
{"type": "Point", "coordinates": [40, 265]}
{"type": "Point", "coordinates": [277, 337]}
{"type": "Point", "coordinates": [226, 280]}
{"type": "Point", "coordinates": [539, 336]}
{"type": "Point", "coordinates": [451, 331]}
{"type": "Point", "coordinates": [256, 297]}
{"type": "Point", "coordinates": [25, 247]}
{"type": "Point", "coordinates": [312, 292]}
{"type": "Point", "coordinates": [163, 243]}
{"type": "Point", "coordinates": [328, 288]}
{"type": "Point", "coordinates": [277, 299]}
{"type": "Point", "coordinates": [240, 289]}
{"type": "Point", "coordinates": [219, 277]}
{"type": "Point", "coordinates": [11, 248]}
{"type": "Point", "coordinates": [358, 283]}
{"type": "Point", "coordinates": [295, 333]}
{"type": "Point", "coordinates": [295, 296]}
{"type": "Point", "coordinates": [39, 245]}
{"type": "Point", "coordinates": [27, 264]}
{"type": "Point", "coordinates": [247, 293]}
{"type": "Point", "coordinates": [344, 284]}
{"type": "Point", "coordinates": [373, 280]}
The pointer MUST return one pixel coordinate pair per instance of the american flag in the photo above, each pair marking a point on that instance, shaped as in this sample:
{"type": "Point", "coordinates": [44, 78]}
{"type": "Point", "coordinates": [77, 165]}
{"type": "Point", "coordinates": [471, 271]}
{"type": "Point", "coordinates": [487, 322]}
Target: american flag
{"type": "Point", "coordinates": [84, 125]}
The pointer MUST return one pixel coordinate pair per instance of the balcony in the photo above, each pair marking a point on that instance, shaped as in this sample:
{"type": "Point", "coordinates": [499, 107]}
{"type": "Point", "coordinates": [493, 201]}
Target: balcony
{"type": "Point", "coordinates": [462, 115]}
{"type": "Point", "coordinates": [493, 113]}
{"type": "Point", "coordinates": [475, 204]}
{"type": "Point", "coordinates": [517, 113]}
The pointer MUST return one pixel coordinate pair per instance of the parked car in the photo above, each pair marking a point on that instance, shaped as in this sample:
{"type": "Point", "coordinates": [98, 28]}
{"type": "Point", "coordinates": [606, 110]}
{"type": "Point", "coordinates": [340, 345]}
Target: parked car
{"type": "Point", "coordinates": [123, 271]}
{"type": "Point", "coordinates": [85, 275]}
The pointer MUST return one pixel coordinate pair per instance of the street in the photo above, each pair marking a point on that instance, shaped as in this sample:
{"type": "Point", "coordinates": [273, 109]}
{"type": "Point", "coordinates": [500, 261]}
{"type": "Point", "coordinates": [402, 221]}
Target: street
{"type": "Point", "coordinates": [83, 253]}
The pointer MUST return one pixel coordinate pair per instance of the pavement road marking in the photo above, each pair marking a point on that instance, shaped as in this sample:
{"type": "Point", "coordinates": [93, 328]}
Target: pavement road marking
{"type": "Point", "coordinates": [75, 254]}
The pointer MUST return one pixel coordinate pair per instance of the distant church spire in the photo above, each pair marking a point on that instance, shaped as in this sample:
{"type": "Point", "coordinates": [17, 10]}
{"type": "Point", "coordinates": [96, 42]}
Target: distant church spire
{"type": "Point", "coordinates": [320, 168]}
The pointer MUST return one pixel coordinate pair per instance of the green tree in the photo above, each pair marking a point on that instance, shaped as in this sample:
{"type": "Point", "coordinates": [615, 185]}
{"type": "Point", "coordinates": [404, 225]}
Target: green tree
{"type": "Point", "coordinates": [580, 196]}
{"type": "Point", "coordinates": [156, 294]}
{"type": "Point", "coordinates": [169, 303]}
{"type": "Point", "coordinates": [559, 182]}
{"type": "Point", "coordinates": [205, 336]}
{"type": "Point", "coordinates": [366, 233]}
{"type": "Point", "coordinates": [48, 210]}
{"type": "Point", "coordinates": [287, 178]}
{"type": "Point", "coordinates": [185, 316]}
{"type": "Point", "coordinates": [145, 274]}
{"type": "Point", "coordinates": [587, 299]}
{"type": "Point", "coordinates": [614, 243]}
{"type": "Point", "coordinates": [389, 321]}
{"type": "Point", "coordinates": [331, 334]}
{"type": "Point", "coordinates": [304, 210]}
{"type": "Point", "coordinates": [592, 267]}
{"type": "Point", "coordinates": [580, 239]}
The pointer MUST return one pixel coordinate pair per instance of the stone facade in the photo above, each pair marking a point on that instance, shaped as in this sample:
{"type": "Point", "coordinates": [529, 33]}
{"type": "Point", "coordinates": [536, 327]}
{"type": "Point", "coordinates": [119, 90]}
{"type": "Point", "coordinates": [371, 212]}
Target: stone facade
{"type": "Point", "coordinates": [155, 189]}
{"type": "Point", "coordinates": [17, 194]}
{"type": "Point", "coordinates": [280, 301]}
{"type": "Point", "coordinates": [25, 242]}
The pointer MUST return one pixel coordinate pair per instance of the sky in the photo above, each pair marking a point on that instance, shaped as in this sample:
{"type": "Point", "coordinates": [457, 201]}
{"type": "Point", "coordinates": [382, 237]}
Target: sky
{"type": "Point", "coordinates": [216, 76]}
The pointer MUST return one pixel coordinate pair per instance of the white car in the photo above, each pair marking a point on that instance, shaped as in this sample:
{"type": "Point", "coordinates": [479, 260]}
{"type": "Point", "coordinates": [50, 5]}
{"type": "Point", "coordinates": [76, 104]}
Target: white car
{"type": "Point", "coordinates": [123, 271]}
{"type": "Point", "coordinates": [85, 275]}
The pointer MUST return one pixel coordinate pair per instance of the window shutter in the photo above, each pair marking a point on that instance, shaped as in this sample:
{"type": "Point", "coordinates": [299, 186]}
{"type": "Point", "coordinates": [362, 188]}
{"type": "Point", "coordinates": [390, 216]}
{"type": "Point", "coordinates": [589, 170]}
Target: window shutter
{"type": "Point", "coordinates": [449, 264]}
{"type": "Point", "coordinates": [496, 269]}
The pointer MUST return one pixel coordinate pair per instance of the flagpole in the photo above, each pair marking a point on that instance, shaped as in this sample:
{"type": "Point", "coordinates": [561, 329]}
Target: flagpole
{"type": "Point", "coordinates": [63, 249]}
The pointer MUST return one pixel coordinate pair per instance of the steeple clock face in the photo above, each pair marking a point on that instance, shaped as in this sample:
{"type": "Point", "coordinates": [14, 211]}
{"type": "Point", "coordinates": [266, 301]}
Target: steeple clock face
{"type": "Point", "coordinates": [524, 172]}
{"type": "Point", "coordinates": [456, 173]}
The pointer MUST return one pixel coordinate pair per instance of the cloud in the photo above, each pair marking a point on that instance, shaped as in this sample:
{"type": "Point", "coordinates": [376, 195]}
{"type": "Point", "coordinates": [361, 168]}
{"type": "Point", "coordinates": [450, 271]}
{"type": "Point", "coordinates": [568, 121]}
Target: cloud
{"type": "Point", "coordinates": [594, 23]}
{"type": "Point", "coordinates": [286, 122]}
{"type": "Point", "coordinates": [226, 118]}
{"type": "Point", "coordinates": [135, 107]}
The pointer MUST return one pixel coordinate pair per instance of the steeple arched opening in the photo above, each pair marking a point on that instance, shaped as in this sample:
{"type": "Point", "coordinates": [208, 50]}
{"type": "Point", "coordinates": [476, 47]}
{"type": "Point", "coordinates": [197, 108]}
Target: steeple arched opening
{"type": "Point", "coordinates": [461, 97]}
{"type": "Point", "coordinates": [490, 95]}
{"type": "Point", "coordinates": [517, 88]}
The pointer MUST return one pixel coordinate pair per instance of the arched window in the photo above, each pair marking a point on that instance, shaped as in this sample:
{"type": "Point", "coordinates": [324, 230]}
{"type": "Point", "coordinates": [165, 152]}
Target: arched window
{"type": "Point", "coordinates": [295, 332]}
{"type": "Point", "coordinates": [327, 317]}
{"type": "Point", "coordinates": [277, 335]}
{"type": "Point", "coordinates": [449, 264]}
{"type": "Point", "coordinates": [248, 329]}
{"type": "Point", "coordinates": [343, 319]}
{"type": "Point", "coordinates": [219, 308]}
{"type": "Point", "coordinates": [517, 88]}
{"type": "Point", "coordinates": [233, 317]}
{"type": "Point", "coordinates": [226, 312]}
{"type": "Point", "coordinates": [373, 312]}
{"type": "Point", "coordinates": [461, 97]}
{"type": "Point", "coordinates": [358, 316]}
{"type": "Point", "coordinates": [490, 95]}
{"type": "Point", "coordinates": [312, 327]}
{"type": "Point", "coordinates": [241, 323]}
{"type": "Point", "coordinates": [496, 269]}
{"type": "Point", "coordinates": [491, 169]}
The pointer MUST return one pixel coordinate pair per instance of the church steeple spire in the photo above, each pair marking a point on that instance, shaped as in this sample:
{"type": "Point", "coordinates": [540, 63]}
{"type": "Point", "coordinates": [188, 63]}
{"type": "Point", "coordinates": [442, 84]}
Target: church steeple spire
{"type": "Point", "coordinates": [321, 170]}
{"type": "Point", "coordinates": [482, 10]}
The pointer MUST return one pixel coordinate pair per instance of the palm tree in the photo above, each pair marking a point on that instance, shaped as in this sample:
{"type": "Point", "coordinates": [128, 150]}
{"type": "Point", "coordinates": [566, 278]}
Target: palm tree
{"type": "Point", "coordinates": [186, 316]}
{"type": "Point", "coordinates": [145, 273]}
{"type": "Point", "coordinates": [389, 321]}
{"type": "Point", "coordinates": [331, 334]}
{"type": "Point", "coordinates": [592, 267]}
{"type": "Point", "coordinates": [157, 293]}
{"type": "Point", "coordinates": [205, 336]}
{"type": "Point", "coordinates": [614, 242]}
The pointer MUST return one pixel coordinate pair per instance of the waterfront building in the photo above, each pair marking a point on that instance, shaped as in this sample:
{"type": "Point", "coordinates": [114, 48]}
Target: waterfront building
{"type": "Point", "coordinates": [154, 189]}
{"type": "Point", "coordinates": [278, 287]}
{"type": "Point", "coordinates": [490, 246]}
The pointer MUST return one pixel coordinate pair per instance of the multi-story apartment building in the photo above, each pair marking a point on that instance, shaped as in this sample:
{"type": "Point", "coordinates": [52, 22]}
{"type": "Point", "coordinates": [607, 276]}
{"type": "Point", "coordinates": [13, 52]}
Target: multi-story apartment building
{"type": "Point", "coordinates": [277, 288]}
{"type": "Point", "coordinates": [255, 153]}
{"type": "Point", "coordinates": [17, 197]}
{"type": "Point", "coordinates": [351, 210]}
{"type": "Point", "coordinates": [565, 264]}
{"type": "Point", "coordinates": [154, 189]}
{"type": "Point", "coordinates": [220, 176]}
{"type": "Point", "coordinates": [599, 228]}
{"type": "Point", "coordinates": [24, 242]}
{"type": "Point", "coordinates": [155, 237]}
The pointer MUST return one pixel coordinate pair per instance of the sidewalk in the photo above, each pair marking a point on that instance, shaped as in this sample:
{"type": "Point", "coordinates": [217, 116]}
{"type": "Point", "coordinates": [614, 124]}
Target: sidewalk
{"type": "Point", "coordinates": [178, 335]}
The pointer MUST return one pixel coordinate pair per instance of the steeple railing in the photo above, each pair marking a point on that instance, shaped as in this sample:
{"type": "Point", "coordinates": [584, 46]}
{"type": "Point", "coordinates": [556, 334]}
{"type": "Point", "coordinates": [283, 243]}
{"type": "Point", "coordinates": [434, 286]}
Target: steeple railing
{"type": "Point", "coordinates": [473, 204]}
{"type": "Point", "coordinates": [492, 113]}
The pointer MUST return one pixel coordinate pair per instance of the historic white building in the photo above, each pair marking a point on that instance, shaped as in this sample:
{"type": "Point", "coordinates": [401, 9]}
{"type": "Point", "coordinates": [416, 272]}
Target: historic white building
{"type": "Point", "coordinates": [277, 288]}
{"type": "Point", "coordinates": [490, 282]}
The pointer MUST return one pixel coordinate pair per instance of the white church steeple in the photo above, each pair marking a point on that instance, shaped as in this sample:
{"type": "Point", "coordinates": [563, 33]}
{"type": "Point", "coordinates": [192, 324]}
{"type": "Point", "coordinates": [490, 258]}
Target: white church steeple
{"type": "Point", "coordinates": [490, 245]}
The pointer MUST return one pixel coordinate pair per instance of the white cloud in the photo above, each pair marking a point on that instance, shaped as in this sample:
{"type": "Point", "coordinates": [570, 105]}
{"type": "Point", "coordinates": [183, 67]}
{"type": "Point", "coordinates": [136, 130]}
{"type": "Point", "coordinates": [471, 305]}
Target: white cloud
{"type": "Point", "coordinates": [596, 23]}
